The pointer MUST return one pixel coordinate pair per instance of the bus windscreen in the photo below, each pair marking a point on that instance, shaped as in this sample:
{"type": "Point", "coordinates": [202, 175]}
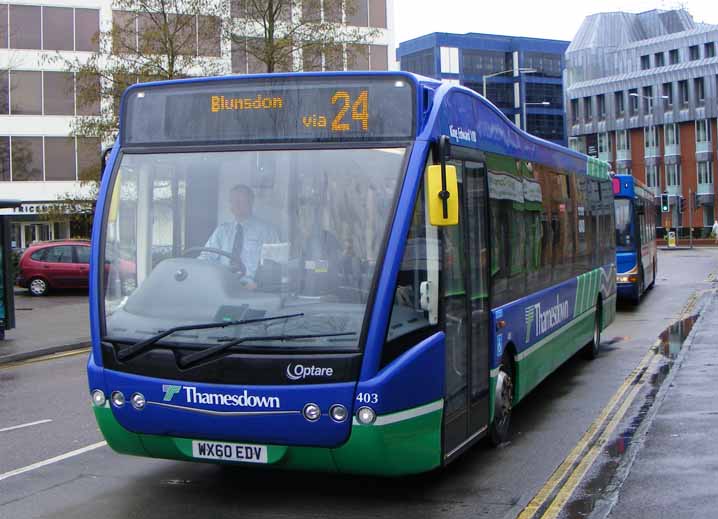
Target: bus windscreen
{"type": "Point", "coordinates": [307, 109]}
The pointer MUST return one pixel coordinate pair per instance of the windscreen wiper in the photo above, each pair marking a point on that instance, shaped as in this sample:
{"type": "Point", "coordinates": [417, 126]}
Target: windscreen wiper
{"type": "Point", "coordinates": [140, 347]}
{"type": "Point", "coordinates": [221, 350]}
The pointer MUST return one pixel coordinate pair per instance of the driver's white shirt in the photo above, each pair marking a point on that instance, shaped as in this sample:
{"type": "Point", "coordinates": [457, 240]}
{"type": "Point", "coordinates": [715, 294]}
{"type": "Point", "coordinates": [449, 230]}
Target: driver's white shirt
{"type": "Point", "coordinates": [256, 233]}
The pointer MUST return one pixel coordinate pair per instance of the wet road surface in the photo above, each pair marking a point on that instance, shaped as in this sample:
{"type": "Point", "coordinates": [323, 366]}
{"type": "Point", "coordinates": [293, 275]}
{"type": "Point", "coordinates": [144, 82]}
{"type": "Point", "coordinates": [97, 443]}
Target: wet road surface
{"type": "Point", "coordinates": [485, 482]}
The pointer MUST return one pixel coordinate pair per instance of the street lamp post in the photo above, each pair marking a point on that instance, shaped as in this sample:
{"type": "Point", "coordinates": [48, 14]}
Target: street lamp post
{"type": "Point", "coordinates": [523, 110]}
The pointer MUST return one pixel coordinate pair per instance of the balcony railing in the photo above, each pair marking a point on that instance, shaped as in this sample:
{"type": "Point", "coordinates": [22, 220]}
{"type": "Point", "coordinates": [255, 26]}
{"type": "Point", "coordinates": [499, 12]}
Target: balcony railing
{"type": "Point", "coordinates": [623, 154]}
{"type": "Point", "coordinates": [673, 149]}
{"type": "Point", "coordinates": [704, 146]}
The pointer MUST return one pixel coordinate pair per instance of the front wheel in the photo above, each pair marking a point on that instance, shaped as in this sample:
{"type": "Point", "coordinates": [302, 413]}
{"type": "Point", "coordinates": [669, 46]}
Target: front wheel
{"type": "Point", "coordinates": [38, 287]}
{"type": "Point", "coordinates": [503, 404]}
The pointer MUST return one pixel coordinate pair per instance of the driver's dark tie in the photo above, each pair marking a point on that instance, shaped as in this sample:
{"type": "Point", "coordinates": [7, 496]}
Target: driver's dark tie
{"type": "Point", "coordinates": [238, 243]}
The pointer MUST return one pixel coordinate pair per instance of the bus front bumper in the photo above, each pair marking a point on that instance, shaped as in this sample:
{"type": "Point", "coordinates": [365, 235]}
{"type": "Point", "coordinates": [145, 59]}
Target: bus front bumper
{"type": "Point", "coordinates": [408, 444]}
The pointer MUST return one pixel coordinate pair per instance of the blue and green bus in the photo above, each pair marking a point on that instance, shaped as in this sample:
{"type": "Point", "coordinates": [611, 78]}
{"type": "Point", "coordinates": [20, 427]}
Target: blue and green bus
{"type": "Point", "coordinates": [636, 250]}
{"type": "Point", "coordinates": [352, 272]}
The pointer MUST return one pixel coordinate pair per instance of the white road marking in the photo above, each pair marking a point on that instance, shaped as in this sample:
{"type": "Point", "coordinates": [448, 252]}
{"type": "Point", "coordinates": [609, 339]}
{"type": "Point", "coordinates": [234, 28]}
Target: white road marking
{"type": "Point", "coordinates": [22, 426]}
{"type": "Point", "coordinates": [50, 461]}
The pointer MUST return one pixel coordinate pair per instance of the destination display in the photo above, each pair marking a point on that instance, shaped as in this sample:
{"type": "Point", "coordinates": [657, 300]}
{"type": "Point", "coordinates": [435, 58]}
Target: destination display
{"type": "Point", "coordinates": [260, 110]}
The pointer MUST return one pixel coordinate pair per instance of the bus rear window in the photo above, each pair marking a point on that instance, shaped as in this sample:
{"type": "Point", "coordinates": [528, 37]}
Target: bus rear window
{"type": "Point", "coordinates": [623, 223]}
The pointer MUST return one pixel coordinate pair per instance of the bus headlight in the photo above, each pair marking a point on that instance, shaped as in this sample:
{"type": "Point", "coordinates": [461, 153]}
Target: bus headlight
{"type": "Point", "coordinates": [138, 401]}
{"type": "Point", "coordinates": [312, 412]}
{"type": "Point", "coordinates": [118, 399]}
{"type": "Point", "coordinates": [338, 412]}
{"type": "Point", "coordinates": [98, 398]}
{"type": "Point", "coordinates": [366, 415]}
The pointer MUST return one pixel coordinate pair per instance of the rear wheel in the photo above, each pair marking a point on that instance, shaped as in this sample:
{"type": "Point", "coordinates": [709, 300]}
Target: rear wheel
{"type": "Point", "coordinates": [503, 403]}
{"type": "Point", "coordinates": [591, 350]}
{"type": "Point", "coordinates": [38, 287]}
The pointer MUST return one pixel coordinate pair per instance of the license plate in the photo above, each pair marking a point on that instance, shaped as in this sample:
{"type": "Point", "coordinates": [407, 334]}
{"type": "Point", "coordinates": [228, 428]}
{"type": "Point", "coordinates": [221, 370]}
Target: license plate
{"type": "Point", "coordinates": [229, 451]}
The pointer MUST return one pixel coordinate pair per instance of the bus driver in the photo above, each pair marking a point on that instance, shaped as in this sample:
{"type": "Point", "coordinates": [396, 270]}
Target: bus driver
{"type": "Point", "coordinates": [242, 238]}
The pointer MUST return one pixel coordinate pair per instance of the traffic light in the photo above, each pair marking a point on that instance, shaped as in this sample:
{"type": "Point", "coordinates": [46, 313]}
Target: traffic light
{"type": "Point", "coordinates": [682, 205]}
{"type": "Point", "coordinates": [665, 203]}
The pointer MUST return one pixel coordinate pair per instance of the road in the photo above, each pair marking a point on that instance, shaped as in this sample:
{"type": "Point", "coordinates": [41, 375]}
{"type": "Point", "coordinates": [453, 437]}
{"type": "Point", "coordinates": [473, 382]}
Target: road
{"type": "Point", "coordinates": [485, 482]}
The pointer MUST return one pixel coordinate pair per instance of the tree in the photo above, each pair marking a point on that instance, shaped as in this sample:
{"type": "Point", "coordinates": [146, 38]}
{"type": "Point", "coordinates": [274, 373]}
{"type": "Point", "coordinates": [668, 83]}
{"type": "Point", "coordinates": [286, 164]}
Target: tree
{"type": "Point", "coordinates": [274, 34]}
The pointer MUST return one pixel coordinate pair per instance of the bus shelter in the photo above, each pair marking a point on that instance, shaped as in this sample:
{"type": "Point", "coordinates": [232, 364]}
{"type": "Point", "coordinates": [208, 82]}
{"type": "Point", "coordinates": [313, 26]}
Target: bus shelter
{"type": "Point", "coordinates": [7, 274]}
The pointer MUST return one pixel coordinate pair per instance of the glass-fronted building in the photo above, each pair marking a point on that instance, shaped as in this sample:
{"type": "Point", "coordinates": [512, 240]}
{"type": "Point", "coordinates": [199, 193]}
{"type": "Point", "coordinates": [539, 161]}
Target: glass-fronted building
{"type": "Point", "coordinates": [521, 76]}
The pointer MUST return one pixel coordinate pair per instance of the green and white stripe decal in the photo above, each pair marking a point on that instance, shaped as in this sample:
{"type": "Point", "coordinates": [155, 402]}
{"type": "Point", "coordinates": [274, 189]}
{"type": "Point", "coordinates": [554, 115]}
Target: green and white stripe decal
{"type": "Point", "coordinates": [597, 168]}
{"type": "Point", "coordinates": [586, 290]}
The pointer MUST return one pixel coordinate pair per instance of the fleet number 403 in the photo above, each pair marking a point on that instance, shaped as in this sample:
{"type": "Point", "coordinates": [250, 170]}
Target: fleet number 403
{"type": "Point", "coordinates": [368, 398]}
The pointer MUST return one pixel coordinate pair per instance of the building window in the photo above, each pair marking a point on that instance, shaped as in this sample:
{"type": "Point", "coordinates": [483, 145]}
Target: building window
{"type": "Point", "coordinates": [4, 92]}
{"type": "Point", "coordinates": [703, 130]}
{"type": "Point", "coordinates": [652, 176]}
{"type": "Point", "coordinates": [87, 27]}
{"type": "Point", "coordinates": [683, 92]}
{"type": "Point", "coordinates": [26, 92]}
{"type": "Point", "coordinates": [673, 175]}
{"type": "Point", "coordinates": [378, 57]}
{"type": "Point", "coordinates": [377, 15]}
{"type": "Point", "coordinates": [619, 102]}
{"type": "Point", "coordinates": [27, 158]}
{"type": "Point", "coordinates": [574, 111]}
{"type": "Point", "coordinates": [545, 92]}
{"type": "Point", "coordinates": [667, 93]}
{"type": "Point", "coordinates": [672, 134]}
{"type": "Point", "coordinates": [647, 99]}
{"type": "Point", "coordinates": [660, 59]}
{"type": "Point", "coordinates": [624, 170]}
{"type": "Point", "coordinates": [59, 89]}
{"type": "Point", "coordinates": [421, 62]}
{"type": "Point", "coordinates": [673, 56]}
{"type": "Point", "coordinates": [549, 127]}
{"type": "Point", "coordinates": [545, 64]}
{"type": "Point", "coordinates": [57, 28]}
{"type": "Point", "coordinates": [88, 157]}
{"type": "Point", "coordinates": [358, 14]}
{"type": "Point", "coordinates": [25, 28]}
{"type": "Point", "coordinates": [449, 60]}
{"type": "Point", "coordinates": [623, 143]}
{"type": "Point", "coordinates": [4, 33]}
{"type": "Point", "coordinates": [500, 94]}
{"type": "Point", "coordinates": [633, 100]}
{"type": "Point", "coordinates": [709, 49]}
{"type": "Point", "coordinates": [694, 52]}
{"type": "Point", "coordinates": [645, 62]}
{"type": "Point", "coordinates": [483, 62]}
{"type": "Point", "coordinates": [705, 172]}
{"type": "Point", "coordinates": [601, 106]}
{"type": "Point", "coordinates": [699, 86]}
{"type": "Point", "coordinates": [5, 159]}
{"type": "Point", "coordinates": [60, 158]}
{"type": "Point", "coordinates": [603, 142]}
{"type": "Point", "coordinates": [650, 137]}
{"type": "Point", "coordinates": [587, 109]}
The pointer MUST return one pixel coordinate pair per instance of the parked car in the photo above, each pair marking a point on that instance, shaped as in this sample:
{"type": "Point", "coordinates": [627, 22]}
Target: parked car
{"type": "Point", "coordinates": [55, 264]}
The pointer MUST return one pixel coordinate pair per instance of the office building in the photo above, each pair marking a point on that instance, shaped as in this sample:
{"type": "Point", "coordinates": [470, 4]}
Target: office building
{"type": "Point", "coordinates": [522, 76]}
{"type": "Point", "coordinates": [40, 162]}
{"type": "Point", "coordinates": [641, 94]}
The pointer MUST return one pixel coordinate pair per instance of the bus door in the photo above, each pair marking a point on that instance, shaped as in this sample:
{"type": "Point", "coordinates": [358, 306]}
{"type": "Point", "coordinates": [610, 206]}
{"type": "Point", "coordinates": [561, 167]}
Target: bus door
{"type": "Point", "coordinates": [465, 304]}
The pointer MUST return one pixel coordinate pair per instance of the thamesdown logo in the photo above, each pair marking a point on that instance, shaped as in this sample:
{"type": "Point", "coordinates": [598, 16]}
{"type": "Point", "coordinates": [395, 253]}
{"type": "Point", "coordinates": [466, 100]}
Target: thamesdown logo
{"type": "Point", "coordinates": [545, 320]}
{"type": "Point", "coordinates": [170, 391]}
{"type": "Point", "coordinates": [529, 321]}
{"type": "Point", "coordinates": [244, 399]}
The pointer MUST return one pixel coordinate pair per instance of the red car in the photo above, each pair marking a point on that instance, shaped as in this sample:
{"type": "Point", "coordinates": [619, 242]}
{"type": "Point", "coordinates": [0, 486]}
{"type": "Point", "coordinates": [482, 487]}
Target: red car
{"type": "Point", "coordinates": [55, 264]}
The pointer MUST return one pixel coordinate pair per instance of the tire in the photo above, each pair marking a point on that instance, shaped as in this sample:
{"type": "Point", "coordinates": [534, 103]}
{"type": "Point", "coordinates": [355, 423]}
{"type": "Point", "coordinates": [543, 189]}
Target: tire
{"type": "Point", "coordinates": [499, 430]}
{"type": "Point", "coordinates": [592, 349]}
{"type": "Point", "coordinates": [38, 287]}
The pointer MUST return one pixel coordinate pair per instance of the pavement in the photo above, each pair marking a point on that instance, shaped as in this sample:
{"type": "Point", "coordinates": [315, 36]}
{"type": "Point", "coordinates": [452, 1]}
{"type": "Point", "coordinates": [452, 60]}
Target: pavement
{"type": "Point", "coordinates": [673, 472]}
{"type": "Point", "coordinates": [45, 325]}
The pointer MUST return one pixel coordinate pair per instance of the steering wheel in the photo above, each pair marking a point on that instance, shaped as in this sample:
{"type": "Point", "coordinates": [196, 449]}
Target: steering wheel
{"type": "Point", "coordinates": [241, 269]}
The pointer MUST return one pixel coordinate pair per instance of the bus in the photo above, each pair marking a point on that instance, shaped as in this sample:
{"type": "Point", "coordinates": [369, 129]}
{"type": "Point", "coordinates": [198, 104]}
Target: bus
{"type": "Point", "coordinates": [636, 248]}
{"type": "Point", "coordinates": [350, 272]}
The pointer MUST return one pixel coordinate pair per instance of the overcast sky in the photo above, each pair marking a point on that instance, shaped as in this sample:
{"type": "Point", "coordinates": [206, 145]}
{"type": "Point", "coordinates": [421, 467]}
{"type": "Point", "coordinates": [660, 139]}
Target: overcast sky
{"type": "Point", "coordinates": [553, 19]}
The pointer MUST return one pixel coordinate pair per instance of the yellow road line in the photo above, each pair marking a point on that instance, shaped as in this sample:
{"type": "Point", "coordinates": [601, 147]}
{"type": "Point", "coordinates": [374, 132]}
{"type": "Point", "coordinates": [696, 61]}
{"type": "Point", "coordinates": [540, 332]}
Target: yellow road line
{"type": "Point", "coordinates": [45, 358]}
{"type": "Point", "coordinates": [568, 463]}
{"type": "Point", "coordinates": [582, 468]}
